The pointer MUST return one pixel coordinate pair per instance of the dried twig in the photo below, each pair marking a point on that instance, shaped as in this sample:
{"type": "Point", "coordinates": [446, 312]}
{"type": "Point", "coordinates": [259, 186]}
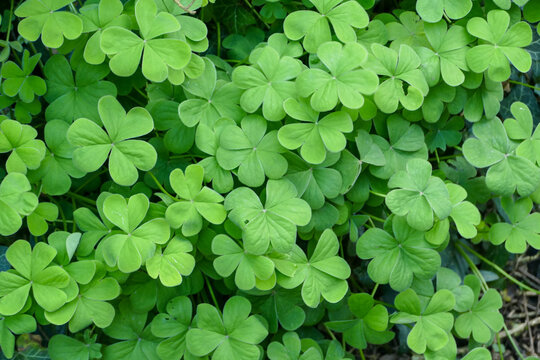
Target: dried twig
{"type": "Point", "coordinates": [186, 8]}
{"type": "Point", "coordinates": [521, 327]}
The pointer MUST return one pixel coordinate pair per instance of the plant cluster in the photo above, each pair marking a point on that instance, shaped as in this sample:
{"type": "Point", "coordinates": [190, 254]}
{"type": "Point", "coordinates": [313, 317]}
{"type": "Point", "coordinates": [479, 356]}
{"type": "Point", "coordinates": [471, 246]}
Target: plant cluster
{"type": "Point", "coordinates": [195, 179]}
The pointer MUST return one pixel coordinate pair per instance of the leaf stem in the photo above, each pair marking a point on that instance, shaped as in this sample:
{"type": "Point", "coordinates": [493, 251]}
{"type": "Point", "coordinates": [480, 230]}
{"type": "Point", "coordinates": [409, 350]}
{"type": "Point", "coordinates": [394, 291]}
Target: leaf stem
{"type": "Point", "coordinates": [160, 187]}
{"type": "Point", "coordinates": [377, 194]}
{"type": "Point", "coordinates": [209, 286]}
{"type": "Point", "coordinates": [186, 8]}
{"type": "Point", "coordinates": [330, 332]}
{"type": "Point", "coordinates": [381, 220]}
{"type": "Point", "coordinates": [474, 269]}
{"type": "Point", "coordinates": [218, 26]}
{"type": "Point", "coordinates": [141, 92]}
{"type": "Point", "coordinates": [257, 13]}
{"type": "Point", "coordinates": [524, 84]}
{"type": "Point", "coordinates": [10, 20]}
{"type": "Point", "coordinates": [362, 356]}
{"type": "Point", "coordinates": [374, 289]}
{"type": "Point", "coordinates": [512, 341]}
{"type": "Point", "coordinates": [500, 270]}
{"type": "Point", "coordinates": [82, 198]}
{"type": "Point", "coordinates": [60, 211]}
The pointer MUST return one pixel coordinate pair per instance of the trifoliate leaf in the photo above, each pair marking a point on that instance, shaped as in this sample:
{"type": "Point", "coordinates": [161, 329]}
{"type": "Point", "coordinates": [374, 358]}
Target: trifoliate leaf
{"type": "Point", "coordinates": [398, 257]}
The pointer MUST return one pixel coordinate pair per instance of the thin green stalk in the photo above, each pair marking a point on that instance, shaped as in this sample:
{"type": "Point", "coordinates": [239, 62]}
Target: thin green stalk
{"type": "Point", "coordinates": [74, 207]}
{"type": "Point", "coordinates": [524, 84]}
{"type": "Point", "coordinates": [512, 341]}
{"type": "Point", "coordinates": [218, 25]}
{"type": "Point", "coordinates": [40, 63]}
{"type": "Point", "coordinates": [377, 194]}
{"type": "Point", "coordinates": [209, 286]}
{"type": "Point", "coordinates": [256, 13]}
{"type": "Point", "coordinates": [499, 346]}
{"type": "Point", "coordinates": [82, 198]}
{"type": "Point", "coordinates": [61, 212]}
{"type": "Point", "coordinates": [330, 332]}
{"type": "Point", "coordinates": [485, 288]}
{"type": "Point", "coordinates": [9, 24]}
{"type": "Point", "coordinates": [374, 290]}
{"type": "Point", "coordinates": [141, 93]}
{"type": "Point", "coordinates": [381, 220]}
{"type": "Point", "coordinates": [437, 156]}
{"type": "Point", "coordinates": [160, 187]}
{"type": "Point", "coordinates": [362, 354]}
{"type": "Point", "coordinates": [500, 270]}
{"type": "Point", "coordinates": [474, 268]}
{"type": "Point", "coordinates": [89, 180]}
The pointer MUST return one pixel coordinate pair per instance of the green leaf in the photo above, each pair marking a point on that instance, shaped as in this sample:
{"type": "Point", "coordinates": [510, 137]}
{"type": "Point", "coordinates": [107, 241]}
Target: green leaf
{"type": "Point", "coordinates": [248, 268]}
{"type": "Point", "coordinates": [483, 319]}
{"type": "Point", "coordinates": [26, 152]}
{"type": "Point", "coordinates": [126, 156]}
{"type": "Point", "coordinates": [211, 100]}
{"type": "Point", "coordinates": [76, 97]}
{"type": "Point", "coordinates": [345, 17]}
{"type": "Point", "coordinates": [11, 326]}
{"type": "Point", "coordinates": [344, 80]}
{"type": "Point", "coordinates": [433, 11]}
{"type": "Point", "coordinates": [291, 349]}
{"type": "Point", "coordinates": [256, 153]}
{"type": "Point", "coordinates": [324, 274]}
{"type": "Point", "coordinates": [196, 202]}
{"type": "Point", "coordinates": [397, 258]}
{"type": "Point", "coordinates": [160, 56]}
{"type": "Point", "coordinates": [274, 222]}
{"type": "Point", "coordinates": [432, 322]}
{"type": "Point", "coordinates": [503, 45]}
{"type": "Point", "coordinates": [130, 248]}
{"type": "Point", "coordinates": [508, 172]}
{"type": "Point", "coordinates": [172, 263]}
{"type": "Point", "coordinates": [32, 271]}
{"type": "Point", "coordinates": [231, 336]}
{"type": "Point", "coordinates": [419, 196]}
{"type": "Point", "coordinates": [464, 214]}
{"type": "Point", "coordinates": [397, 69]}
{"type": "Point", "coordinates": [314, 137]}
{"type": "Point", "coordinates": [267, 83]}
{"type": "Point", "coordinates": [62, 346]}
{"type": "Point", "coordinates": [16, 201]}
{"type": "Point", "coordinates": [20, 81]}
{"type": "Point", "coordinates": [42, 18]}
{"type": "Point", "coordinates": [524, 227]}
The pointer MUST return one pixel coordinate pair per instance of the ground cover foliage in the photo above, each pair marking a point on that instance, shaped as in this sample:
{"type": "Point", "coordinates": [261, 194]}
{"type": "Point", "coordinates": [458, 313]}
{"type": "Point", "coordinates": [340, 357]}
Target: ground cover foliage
{"type": "Point", "coordinates": [280, 179]}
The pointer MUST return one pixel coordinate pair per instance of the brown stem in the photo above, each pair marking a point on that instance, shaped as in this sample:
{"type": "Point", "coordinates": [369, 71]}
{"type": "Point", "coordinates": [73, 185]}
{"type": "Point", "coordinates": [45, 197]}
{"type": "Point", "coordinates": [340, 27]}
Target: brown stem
{"type": "Point", "coordinates": [186, 8]}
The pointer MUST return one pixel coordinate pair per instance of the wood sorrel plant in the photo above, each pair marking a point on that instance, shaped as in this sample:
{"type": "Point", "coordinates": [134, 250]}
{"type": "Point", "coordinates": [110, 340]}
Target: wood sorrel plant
{"type": "Point", "coordinates": [227, 179]}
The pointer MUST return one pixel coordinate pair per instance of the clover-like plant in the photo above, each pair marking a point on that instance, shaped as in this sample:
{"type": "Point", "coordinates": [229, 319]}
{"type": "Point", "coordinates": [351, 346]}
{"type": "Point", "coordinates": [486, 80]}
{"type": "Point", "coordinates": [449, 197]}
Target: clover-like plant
{"type": "Point", "coordinates": [508, 172]}
{"type": "Point", "coordinates": [248, 268]}
{"type": "Point", "coordinates": [41, 18]}
{"type": "Point", "coordinates": [71, 98]}
{"type": "Point", "coordinates": [345, 81]}
{"type": "Point", "coordinates": [313, 27]}
{"type": "Point", "coordinates": [160, 56]}
{"type": "Point", "coordinates": [433, 11]}
{"type": "Point", "coordinates": [433, 321]}
{"type": "Point", "coordinates": [16, 201]}
{"type": "Point", "coordinates": [26, 152]}
{"type": "Point", "coordinates": [274, 222]}
{"type": "Point", "coordinates": [94, 145]}
{"type": "Point", "coordinates": [316, 277]}
{"type": "Point", "coordinates": [20, 81]}
{"type": "Point", "coordinates": [256, 153]}
{"type": "Point", "coordinates": [172, 263]}
{"type": "Point", "coordinates": [404, 83]}
{"type": "Point", "coordinates": [398, 256]}
{"type": "Point", "coordinates": [97, 17]}
{"type": "Point", "coordinates": [503, 45]}
{"type": "Point", "coordinates": [136, 242]}
{"type": "Point", "coordinates": [32, 270]}
{"type": "Point", "coordinates": [315, 137]}
{"type": "Point", "coordinates": [523, 229]}
{"type": "Point", "coordinates": [233, 335]}
{"type": "Point", "coordinates": [419, 196]}
{"type": "Point", "coordinates": [196, 202]}
{"type": "Point", "coordinates": [267, 83]}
